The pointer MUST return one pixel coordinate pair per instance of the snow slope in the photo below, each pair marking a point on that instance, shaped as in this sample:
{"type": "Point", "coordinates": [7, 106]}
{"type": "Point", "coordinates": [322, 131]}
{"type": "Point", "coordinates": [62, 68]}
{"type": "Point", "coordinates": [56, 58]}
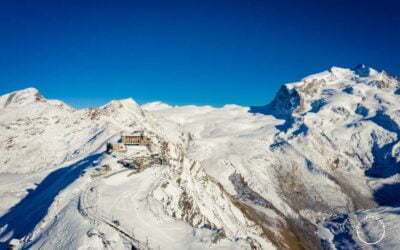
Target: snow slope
{"type": "Point", "coordinates": [324, 154]}
{"type": "Point", "coordinates": [61, 158]}
{"type": "Point", "coordinates": [334, 149]}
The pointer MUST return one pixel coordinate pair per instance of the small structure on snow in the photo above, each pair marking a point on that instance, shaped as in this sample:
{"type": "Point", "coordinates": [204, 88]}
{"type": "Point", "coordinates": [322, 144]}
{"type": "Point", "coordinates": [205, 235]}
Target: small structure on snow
{"type": "Point", "coordinates": [116, 147]}
{"type": "Point", "coordinates": [136, 138]}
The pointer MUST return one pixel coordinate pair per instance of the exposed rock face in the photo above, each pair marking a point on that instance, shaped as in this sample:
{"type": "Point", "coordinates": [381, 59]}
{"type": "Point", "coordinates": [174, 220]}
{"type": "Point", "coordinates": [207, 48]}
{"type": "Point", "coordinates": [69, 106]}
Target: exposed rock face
{"type": "Point", "coordinates": [362, 70]}
{"type": "Point", "coordinates": [286, 101]}
{"type": "Point", "coordinates": [339, 134]}
{"type": "Point", "coordinates": [187, 192]}
{"type": "Point", "coordinates": [326, 149]}
{"type": "Point", "coordinates": [345, 130]}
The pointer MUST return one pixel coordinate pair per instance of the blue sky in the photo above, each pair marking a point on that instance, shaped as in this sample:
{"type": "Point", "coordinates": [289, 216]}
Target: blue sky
{"type": "Point", "coordinates": [187, 52]}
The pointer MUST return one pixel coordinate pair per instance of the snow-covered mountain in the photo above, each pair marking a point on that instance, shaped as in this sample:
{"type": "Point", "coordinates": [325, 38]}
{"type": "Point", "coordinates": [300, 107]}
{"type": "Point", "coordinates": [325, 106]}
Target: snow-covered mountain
{"type": "Point", "coordinates": [323, 155]}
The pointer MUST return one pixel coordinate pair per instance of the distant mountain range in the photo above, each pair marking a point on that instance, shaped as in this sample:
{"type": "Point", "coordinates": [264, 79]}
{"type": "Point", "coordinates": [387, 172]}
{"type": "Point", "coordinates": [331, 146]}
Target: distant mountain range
{"type": "Point", "coordinates": [317, 168]}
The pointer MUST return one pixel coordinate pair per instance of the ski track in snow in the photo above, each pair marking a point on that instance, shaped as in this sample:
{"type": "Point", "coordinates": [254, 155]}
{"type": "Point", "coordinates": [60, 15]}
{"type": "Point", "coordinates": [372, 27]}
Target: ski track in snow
{"type": "Point", "coordinates": [135, 209]}
{"type": "Point", "coordinates": [326, 148]}
{"type": "Point", "coordinates": [88, 208]}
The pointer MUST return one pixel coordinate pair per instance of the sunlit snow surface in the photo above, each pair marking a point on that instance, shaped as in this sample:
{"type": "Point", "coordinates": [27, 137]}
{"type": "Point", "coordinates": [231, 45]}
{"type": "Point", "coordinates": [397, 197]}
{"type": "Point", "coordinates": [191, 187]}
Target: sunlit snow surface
{"type": "Point", "coordinates": [312, 167]}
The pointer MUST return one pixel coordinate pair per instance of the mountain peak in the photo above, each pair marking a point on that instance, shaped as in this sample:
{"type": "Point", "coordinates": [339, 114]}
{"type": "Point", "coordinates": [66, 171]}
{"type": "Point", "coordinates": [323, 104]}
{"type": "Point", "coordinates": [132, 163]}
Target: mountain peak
{"type": "Point", "coordinates": [21, 97]}
{"type": "Point", "coordinates": [361, 66]}
{"type": "Point", "coordinates": [364, 71]}
{"type": "Point", "coordinates": [313, 90]}
{"type": "Point", "coordinates": [31, 91]}
{"type": "Point", "coordinates": [157, 105]}
{"type": "Point", "coordinates": [128, 102]}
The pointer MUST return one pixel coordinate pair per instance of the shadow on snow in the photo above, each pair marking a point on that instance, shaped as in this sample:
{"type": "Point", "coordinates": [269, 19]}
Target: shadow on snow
{"type": "Point", "coordinates": [388, 195]}
{"type": "Point", "coordinates": [269, 110]}
{"type": "Point", "coordinates": [342, 230]}
{"type": "Point", "coordinates": [21, 219]}
{"type": "Point", "coordinates": [385, 165]}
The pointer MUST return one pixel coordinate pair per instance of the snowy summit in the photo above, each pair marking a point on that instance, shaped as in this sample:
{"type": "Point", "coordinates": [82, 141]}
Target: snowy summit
{"type": "Point", "coordinates": [302, 172]}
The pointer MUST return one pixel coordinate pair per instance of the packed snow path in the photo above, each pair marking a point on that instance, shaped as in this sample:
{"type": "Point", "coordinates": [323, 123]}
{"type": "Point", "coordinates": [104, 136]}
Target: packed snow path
{"type": "Point", "coordinates": [124, 202]}
{"type": "Point", "coordinates": [88, 208]}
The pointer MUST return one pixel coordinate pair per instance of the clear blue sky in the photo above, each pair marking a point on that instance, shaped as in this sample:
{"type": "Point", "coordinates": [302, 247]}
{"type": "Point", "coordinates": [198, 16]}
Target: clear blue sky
{"type": "Point", "coordinates": [187, 52]}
